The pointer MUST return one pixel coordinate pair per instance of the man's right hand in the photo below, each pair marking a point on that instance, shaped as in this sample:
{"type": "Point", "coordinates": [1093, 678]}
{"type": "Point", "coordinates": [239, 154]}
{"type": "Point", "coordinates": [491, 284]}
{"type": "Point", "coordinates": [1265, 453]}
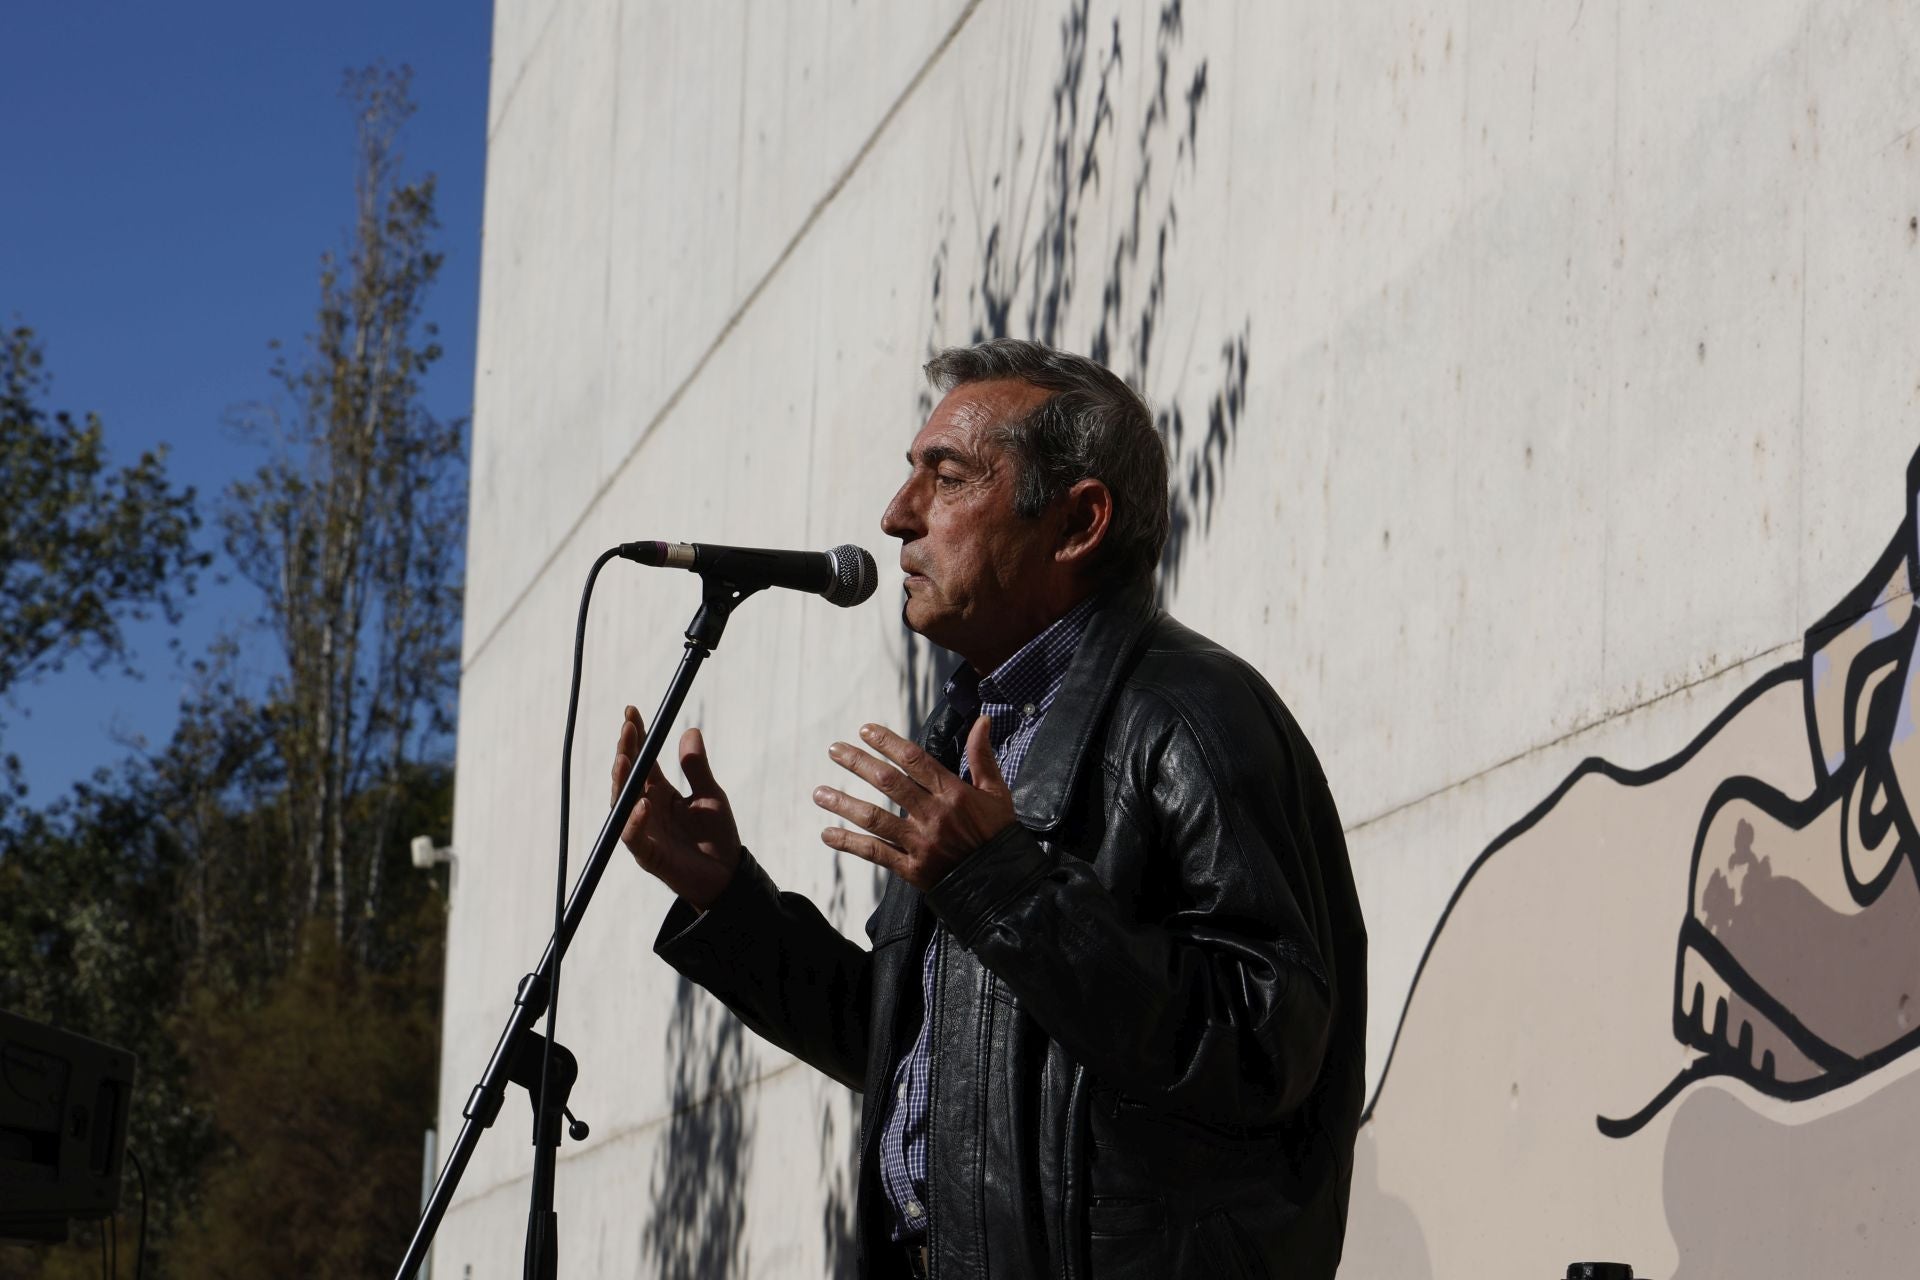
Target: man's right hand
{"type": "Point", "coordinates": [689, 842]}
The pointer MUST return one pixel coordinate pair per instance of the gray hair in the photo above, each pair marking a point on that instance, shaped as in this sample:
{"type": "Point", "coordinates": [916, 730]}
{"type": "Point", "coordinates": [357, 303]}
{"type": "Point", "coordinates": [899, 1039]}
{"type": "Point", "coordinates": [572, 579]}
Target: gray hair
{"type": "Point", "coordinates": [1092, 427]}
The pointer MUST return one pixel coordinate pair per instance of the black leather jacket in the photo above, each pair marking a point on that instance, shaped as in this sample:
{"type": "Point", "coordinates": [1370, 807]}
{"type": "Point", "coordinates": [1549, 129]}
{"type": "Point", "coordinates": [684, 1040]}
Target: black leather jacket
{"type": "Point", "coordinates": [1149, 1040]}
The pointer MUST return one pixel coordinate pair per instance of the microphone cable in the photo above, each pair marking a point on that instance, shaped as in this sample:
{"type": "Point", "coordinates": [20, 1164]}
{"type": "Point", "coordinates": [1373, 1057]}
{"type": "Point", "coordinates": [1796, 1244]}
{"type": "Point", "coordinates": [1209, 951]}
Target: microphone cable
{"type": "Point", "coordinates": [855, 581]}
{"type": "Point", "coordinates": [560, 876]}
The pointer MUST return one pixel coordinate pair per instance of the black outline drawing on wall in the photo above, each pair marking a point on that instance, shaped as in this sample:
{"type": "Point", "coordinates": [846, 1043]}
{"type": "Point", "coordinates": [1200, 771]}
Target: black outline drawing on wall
{"type": "Point", "coordinates": [1797, 963]}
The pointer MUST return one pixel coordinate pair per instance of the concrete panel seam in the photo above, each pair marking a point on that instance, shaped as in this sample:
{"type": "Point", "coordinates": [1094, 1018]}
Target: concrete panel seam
{"type": "Point", "coordinates": [506, 100]}
{"type": "Point", "coordinates": [726, 330]}
{"type": "Point", "coordinates": [619, 1135]}
{"type": "Point", "coordinates": [1576, 731]}
{"type": "Point", "coordinates": [632, 1130]}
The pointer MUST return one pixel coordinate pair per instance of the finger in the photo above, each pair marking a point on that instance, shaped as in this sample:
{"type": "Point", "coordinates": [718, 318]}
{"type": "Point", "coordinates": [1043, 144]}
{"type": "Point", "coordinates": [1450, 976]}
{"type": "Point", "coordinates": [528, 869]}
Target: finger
{"type": "Point", "coordinates": [694, 765]}
{"type": "Point", "coordinates": [862, 813]}
{"type": "Point", "coordinates": [984, 769]}
{"type": "Point", "coordinates": [878, 774]}
{"type": "Point", "coordinates": [625, 747]}
{"type": "Point", "coordinates": [907, 754]}
{"type": "Point", "coordinates": [656, 784]}
{"type": "Point", "coordinates": [635, 831]}
{"type": "Point", "coordinates": [639, 728]}
{"type": "Point", "coordinates": [663, 796]}
{"type": "Point", "coordinates": [878, 852]}
{"type": "Point", "coordinates": [633, 732]}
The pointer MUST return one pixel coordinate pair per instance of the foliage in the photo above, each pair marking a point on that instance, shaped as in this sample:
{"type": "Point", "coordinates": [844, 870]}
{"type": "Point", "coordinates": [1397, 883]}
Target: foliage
{"type": "Point", "coordinates": [238, 907]}
{"type": "Point", "coordinates": [82, 548]}
{"type": "Point", "coordinates": [89, 941]}
{"type": "Point", "coordinates": [321, 1091]}
{"type": "Point", "coordinates": [352, 532]}
{"type": "Point", "coordinates": [279, 1110]}
{"type": "Point", "coordinates": [220, 790]}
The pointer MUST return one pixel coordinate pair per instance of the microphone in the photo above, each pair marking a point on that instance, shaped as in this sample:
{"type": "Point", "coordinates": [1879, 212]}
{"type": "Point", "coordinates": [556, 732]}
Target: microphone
{"type": "Point", "coordinates": [845, 575]}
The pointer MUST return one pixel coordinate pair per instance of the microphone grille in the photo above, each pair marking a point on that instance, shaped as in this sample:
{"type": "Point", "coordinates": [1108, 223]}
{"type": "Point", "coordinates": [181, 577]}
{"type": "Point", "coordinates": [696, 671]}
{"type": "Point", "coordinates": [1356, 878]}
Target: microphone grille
{"type": "Point", "coordinates": [854, 575]}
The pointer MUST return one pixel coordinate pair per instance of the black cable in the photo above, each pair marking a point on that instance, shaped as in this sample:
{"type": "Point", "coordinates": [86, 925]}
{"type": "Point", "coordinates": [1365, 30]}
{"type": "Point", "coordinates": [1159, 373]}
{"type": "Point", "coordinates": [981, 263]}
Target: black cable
{"type": "Point", "coordinates": [113, 1227]}
{"type": "Point", "coordinates": [104, 1273]}
{"type": "Point", "coordinates": [566, 791]}
{"type": "Point", "coordinates": [140, 1249]}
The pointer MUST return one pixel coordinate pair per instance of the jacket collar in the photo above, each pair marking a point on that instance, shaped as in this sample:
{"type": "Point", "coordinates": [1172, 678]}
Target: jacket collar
{"type": "Point", "coordinates": [1053, 767]}
{"type": "Point", "coordinates": [1055, 764]}
{"type": "Point", "coordinates": [1045, 787]}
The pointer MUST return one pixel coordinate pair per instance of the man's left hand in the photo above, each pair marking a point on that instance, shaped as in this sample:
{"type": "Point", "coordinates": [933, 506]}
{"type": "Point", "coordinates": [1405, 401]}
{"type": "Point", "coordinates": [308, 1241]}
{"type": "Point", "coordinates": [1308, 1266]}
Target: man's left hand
{"type": "Point", "coordinates": [945, 819]}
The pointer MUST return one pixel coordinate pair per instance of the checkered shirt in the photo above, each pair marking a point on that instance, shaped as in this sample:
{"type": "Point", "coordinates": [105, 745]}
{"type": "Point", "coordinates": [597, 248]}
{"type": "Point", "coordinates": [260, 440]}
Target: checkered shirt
{"type": "Point", "coordinates": [1015, 699]}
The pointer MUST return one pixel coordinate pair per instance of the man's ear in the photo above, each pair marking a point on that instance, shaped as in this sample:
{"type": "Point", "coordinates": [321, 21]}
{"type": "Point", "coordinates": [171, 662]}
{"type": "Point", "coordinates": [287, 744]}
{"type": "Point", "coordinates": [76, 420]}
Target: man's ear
{"type": "Point", "coordinates": [1087, 511]}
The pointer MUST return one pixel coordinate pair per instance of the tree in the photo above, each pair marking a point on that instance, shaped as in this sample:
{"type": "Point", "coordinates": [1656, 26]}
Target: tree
{"type": "Point", "coordinates": [277, 1107]}
{"type": "Point", "coordinates": [320, 1091]}
{"type": "Point", "coordinates": [87, 936]}
{"type": "Point", "coordinates": [238, 907]}
{"type": "Point", "coordinates": [353, 532]}
{"type": "Point", "coordinates": [89, 941]}
{"type": "Point", "coordinates": [312, 1026]}
{"type": "Point", "coordinates": [218, 789]}
{"type": "Point", "coordinates": [82, 548]}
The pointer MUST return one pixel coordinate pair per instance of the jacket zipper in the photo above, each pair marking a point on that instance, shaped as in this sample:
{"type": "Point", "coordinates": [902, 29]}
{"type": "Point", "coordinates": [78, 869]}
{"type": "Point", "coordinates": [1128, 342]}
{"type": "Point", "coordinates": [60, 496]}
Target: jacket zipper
{"type": "Point", "coordinates": [1070, 1188]}
{"type": "Point", "coordinates": [933, 1095]}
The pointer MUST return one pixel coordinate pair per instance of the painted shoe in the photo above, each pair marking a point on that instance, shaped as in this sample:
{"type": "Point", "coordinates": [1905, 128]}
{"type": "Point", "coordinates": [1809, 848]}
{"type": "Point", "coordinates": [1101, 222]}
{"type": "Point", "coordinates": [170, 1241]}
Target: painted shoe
{"type": "Point", "coordinates": [1799, 965]}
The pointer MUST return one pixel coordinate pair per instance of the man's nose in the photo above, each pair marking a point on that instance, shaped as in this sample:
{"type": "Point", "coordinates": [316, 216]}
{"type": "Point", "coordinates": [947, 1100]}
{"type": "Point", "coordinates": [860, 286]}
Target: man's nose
{"type": "Point", "coordinates": [901, 519]}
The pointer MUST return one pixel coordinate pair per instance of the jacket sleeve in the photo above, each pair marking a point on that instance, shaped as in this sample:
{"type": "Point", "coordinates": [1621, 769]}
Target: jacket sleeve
{"type": "Point", "coordinates": [1215, 1004]}
{"type": "Point", "coordinates": [773, 959]}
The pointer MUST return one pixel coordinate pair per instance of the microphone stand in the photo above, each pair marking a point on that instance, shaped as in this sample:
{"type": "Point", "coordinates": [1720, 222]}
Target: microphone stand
{"type": "Point", "coordinates": [516, 1058]}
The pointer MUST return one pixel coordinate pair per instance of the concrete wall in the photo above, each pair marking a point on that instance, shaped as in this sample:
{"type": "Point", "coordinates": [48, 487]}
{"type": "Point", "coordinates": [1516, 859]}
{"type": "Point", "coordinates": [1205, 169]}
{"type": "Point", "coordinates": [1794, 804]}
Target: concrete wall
{"type": "Point", "coordinates": [1537, 377]}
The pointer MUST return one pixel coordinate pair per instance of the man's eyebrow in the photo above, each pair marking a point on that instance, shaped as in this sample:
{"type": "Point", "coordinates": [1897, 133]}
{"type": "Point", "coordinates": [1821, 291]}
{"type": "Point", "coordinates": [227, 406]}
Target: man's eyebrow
{"type": "Point", "coordinates": [935, 454]}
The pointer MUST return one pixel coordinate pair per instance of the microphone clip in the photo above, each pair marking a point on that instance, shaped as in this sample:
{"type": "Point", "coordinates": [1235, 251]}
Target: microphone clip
{"type": "Point", "coordinates": [718, 598]}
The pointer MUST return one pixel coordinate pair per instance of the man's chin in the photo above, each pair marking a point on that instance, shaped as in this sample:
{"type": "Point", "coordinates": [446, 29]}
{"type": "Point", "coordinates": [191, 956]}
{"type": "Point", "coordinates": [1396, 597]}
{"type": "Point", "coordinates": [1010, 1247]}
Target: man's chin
{"type": "Point", "coordinates": [916, 617]}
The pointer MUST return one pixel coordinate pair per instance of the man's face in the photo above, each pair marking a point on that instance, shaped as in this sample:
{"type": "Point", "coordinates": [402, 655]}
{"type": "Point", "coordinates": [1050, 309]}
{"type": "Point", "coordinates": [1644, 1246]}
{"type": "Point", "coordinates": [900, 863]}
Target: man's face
{"type": "Point", "coordinates": [972, 563]}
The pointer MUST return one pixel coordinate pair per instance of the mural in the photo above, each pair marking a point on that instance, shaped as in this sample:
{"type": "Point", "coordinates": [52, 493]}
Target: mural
{"type": "Point", "coordinates": [1666, 1016]}
{"type": "Point", "coordinates": [1740, 1101]}
{"type": "Point", "coordinates": [1800, 954]}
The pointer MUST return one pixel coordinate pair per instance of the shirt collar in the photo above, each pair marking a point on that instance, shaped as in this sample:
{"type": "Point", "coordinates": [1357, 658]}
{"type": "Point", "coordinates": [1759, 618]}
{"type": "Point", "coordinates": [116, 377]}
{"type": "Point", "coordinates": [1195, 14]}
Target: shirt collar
{"type": "Point", "coordinates": [1033, 674]}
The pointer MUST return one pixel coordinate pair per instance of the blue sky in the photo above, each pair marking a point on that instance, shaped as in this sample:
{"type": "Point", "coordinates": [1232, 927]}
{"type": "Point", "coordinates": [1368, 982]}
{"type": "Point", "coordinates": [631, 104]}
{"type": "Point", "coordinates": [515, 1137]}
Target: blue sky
{"type": "Point", "coordinates": [172, 175]}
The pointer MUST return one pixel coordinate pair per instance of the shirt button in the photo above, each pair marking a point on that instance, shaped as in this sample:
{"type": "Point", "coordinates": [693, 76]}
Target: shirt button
{"type": "Point", "coordinates": [914, 1210]}
{"type": "Point", "coordinates": [1027, 712]}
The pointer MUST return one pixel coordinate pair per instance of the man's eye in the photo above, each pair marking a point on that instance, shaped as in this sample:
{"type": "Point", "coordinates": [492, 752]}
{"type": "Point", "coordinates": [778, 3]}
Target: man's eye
{"type": "Point", "coordinates": [945, 480]}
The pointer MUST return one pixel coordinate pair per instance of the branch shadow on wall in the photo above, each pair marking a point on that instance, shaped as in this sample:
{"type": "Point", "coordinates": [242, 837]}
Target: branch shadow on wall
{"type": "Point", "coordinates": [1025, 247]}
{"type": "Point", "coordinates": [695, 1229]}
{"type": "Point", "coordinates": [839, 1158]}
{"type": "Point", "coordinates": [1020, 257]}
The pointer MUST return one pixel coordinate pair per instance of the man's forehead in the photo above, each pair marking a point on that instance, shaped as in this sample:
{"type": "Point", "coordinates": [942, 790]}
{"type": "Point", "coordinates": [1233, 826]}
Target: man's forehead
{"type": "Point", "coordinates": [939, 441]}
{"type": "Point", "coordinates": [959, 424]}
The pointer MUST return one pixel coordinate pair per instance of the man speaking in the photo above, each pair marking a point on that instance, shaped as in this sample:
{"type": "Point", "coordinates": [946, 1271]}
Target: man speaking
{"type": "Point", "coordinates": [1112, 1019]}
